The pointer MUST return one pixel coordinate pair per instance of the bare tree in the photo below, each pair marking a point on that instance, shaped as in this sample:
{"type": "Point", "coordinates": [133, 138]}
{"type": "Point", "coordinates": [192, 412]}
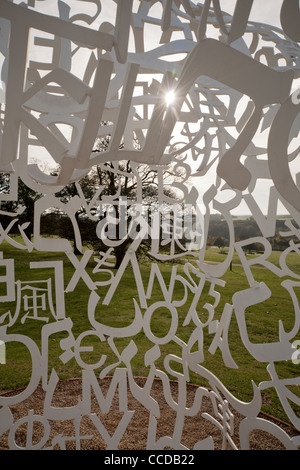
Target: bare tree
{"type": "Point", "coordinates": [26, 199]}
{"type": "Point", "coordinates": [116, 180]}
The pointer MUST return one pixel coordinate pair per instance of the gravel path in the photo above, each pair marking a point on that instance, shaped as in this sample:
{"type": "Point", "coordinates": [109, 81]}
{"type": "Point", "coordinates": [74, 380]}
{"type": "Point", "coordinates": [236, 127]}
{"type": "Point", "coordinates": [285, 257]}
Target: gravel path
{"type": "Point", "coordinates": [196, 428]}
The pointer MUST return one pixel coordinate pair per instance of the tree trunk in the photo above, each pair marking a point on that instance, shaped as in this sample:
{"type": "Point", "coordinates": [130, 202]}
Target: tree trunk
{"type": "Point", "coordinates": [120, 252]}
{"type": "Point", "coordinates": [76, 251]}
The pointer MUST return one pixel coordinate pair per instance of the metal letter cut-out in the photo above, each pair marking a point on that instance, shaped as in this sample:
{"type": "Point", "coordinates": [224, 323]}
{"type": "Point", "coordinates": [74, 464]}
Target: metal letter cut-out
{"type": "Point", "coordinates": [129, 125]}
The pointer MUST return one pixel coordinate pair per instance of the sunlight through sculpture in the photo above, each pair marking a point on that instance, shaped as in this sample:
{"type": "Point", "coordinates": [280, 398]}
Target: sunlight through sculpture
{"type": "Point", "coordinates": [208, 103]}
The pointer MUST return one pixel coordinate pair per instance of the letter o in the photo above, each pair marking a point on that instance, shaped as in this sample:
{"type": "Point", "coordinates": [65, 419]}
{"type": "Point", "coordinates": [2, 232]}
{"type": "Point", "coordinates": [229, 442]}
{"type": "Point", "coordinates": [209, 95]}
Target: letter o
{"type": "Point", "coordinates": [174, 323]}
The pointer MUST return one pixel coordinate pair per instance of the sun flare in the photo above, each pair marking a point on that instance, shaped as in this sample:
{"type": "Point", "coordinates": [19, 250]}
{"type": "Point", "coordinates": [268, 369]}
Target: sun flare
{"type": "Point", "coordinates": [170, 97]}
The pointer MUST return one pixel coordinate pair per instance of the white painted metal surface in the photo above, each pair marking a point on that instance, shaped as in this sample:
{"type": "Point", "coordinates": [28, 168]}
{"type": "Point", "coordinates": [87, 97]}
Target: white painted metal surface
{"type": "Point", "coordinates": [232, 82]}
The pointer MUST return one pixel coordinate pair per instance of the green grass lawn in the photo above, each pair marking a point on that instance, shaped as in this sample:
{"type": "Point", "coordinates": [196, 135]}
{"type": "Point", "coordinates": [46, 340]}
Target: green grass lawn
{"type": "Point", "coordinates": [262, 324]}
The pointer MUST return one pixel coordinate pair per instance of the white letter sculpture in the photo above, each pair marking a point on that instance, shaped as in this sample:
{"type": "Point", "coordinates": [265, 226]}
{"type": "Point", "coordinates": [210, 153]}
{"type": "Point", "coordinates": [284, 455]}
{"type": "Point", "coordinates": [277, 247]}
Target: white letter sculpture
{"type": "Point", "coordinates": [208, 103]}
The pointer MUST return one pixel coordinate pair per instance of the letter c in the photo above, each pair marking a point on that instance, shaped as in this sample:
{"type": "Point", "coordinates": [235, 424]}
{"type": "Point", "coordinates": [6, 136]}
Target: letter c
{"type": "Point", "coordinates": [277, 152]}
{"type": "Point", "coordinates": [296, 97]}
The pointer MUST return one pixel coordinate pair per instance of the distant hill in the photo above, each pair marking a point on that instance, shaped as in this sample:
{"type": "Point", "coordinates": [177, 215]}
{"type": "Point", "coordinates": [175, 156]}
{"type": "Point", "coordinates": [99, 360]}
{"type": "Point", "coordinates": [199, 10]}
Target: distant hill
{"type": "Point", "coordinates": [246, 227]}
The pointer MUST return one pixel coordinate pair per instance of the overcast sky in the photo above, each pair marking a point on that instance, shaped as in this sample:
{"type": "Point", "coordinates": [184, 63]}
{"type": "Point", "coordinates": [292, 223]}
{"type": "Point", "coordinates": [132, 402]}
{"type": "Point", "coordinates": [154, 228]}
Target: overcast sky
{"type": "Point", "coordinates": [263, 11]}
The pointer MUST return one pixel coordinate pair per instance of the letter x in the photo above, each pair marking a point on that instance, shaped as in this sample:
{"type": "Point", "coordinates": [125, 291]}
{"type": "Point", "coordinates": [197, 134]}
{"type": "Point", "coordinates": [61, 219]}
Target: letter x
{"type": "Point", "coordinates": [4, 232]}
{"type": "Point", "coordinates": [80, 271]}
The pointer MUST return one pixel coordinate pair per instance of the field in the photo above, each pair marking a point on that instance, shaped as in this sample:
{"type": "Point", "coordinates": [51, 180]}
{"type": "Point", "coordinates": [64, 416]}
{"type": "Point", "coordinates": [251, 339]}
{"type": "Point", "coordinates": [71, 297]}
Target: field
{"type": "Point", "coordinates": [262, 322]}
